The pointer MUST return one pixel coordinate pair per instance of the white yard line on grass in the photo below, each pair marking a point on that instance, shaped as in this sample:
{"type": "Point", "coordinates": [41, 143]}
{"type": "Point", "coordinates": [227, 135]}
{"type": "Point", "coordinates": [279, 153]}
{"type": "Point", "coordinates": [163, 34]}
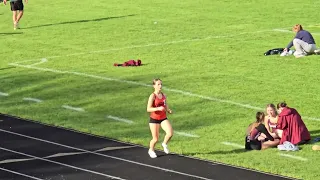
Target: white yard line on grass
{"type": "Point", "coordinates": [282, 30]}
{"type": "Point", "coordinates": [293, 157]}
{"type": "Point", "coordinates": [131, 122]}
{"type": "Point", "coordinates": [120, 119]}
{"type": "Point", "coordinates": [4, 94]}
{"type": "Point", "coordinates": [233, 144]}
{"type": "Point", "coordinates": [145, 45]}
{"type": "Point", "coordinates": [186, 134]}
{"type": "Point", "coordinates": [43, 60]}
{"type": "Point", "coordinates": [147, 85]}
{"type": "Point", "coordinates": [288, 31]}
{"type": "Point", "coordinates": [33, 99]}
{"type": "Point", "coordinates": [137, 83]}
{"type": "Point", "coordinates": [311, 118]}
{"type": "Point", "coordinates": [73, 108]}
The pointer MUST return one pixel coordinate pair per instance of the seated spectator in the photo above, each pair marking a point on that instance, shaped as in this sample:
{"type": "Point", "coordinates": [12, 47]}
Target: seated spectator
{"type": "Point", "coordinates": [271, 121]}
{"type": "Point", "coordinates": [294, 129]}
{"type": "Point", "coordinates": [257, 136]}
{"type": "Point", "coordinates": [303, 42]}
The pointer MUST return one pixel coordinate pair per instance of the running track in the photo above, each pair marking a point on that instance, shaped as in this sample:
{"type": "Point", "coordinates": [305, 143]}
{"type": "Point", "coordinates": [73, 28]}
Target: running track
{"type": "Point", "coordinates": [30, 150]}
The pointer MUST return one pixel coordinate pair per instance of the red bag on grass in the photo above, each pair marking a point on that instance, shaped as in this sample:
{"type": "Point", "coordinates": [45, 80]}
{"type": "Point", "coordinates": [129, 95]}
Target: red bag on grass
{"type": "Point", "coordinates": [130, 63]}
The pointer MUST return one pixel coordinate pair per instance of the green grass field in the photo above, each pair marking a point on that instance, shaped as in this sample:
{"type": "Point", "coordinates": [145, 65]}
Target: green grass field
{"type": "Point", "coordinates": [209, 55]}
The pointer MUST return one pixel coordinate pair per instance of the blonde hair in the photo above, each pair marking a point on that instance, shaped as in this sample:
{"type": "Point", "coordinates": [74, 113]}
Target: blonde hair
{"type": "Point", "coordinates": [297, 28]}
{"type": "Point", "coordinates": [273, 107]}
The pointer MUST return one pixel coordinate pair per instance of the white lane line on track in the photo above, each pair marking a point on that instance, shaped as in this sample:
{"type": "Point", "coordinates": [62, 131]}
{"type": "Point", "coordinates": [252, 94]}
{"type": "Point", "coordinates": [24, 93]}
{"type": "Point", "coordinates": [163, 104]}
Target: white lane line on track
{"type": "Point", "coordinates": [104, 155]}
{"type": "Point", "coordinates": [62, 164]}
{"type": "Point", "coordinates": [21, 174]}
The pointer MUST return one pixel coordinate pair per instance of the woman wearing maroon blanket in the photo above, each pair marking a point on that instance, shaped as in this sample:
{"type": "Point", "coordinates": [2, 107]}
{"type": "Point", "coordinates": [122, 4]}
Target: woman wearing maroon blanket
{"type": "Point", "coordinates": [294, 129]}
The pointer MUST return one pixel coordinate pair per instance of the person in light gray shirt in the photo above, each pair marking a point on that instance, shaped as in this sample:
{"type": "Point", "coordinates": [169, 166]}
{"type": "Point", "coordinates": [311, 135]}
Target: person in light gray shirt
{"type": "Point", "coordinates": [303, 43]}
{"type": "Point", "coordinates": [17, 11]}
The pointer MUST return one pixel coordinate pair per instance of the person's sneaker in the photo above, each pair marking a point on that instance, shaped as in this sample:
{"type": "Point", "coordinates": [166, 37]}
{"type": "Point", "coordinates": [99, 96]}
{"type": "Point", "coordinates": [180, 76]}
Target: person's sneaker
{"type": "Point", "coordinates": [152, 154]}
{"type": "Point", "coordinates": [317, 51]}
{"type": "Point", "coordinates": [165, 148]}
{"type": "Point", "coordinates": [300, 56]}
{"type": "Point", "coordinates": [15, 26]}
{"type": "Point", "coordinates": [281, 147]}
{"type": "Point", "coordinates": [284, 53]}
{"type": "Point", "coordinates": [287, 146]}
{"type": "Point", "coordinates": [290, 147]}
{"type": "Point", "coordinates": [291, 52]}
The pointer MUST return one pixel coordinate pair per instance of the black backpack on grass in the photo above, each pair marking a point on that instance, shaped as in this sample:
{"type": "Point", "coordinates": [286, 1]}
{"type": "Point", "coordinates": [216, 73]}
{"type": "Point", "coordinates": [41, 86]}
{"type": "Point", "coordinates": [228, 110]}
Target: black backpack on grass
{"type": "Point", "coordinates": [274, 51]}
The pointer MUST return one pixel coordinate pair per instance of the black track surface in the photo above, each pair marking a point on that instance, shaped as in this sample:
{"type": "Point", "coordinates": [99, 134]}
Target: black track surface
{"type": "Point", "coordinates": [31, 150]}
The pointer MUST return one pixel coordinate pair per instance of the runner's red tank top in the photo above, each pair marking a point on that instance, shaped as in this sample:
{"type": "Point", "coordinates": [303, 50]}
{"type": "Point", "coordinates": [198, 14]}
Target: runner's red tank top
{"type": "Point", "coordinates": [159, 115]}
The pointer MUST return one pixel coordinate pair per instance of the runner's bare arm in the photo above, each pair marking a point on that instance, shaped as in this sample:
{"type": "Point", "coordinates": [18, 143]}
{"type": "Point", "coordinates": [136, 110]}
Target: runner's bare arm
{"type": "Point", "coordinates": [167, 107]}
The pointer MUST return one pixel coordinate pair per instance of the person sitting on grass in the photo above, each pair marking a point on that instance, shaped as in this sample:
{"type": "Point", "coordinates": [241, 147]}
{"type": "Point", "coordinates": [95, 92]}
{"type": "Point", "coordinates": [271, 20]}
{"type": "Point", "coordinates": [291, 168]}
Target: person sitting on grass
{"type": "Point", "coordinates": [257, 135]}
{"type": "Point", "coordinates": [303, 43]}
{"type": "Point", "coordinates": [271, 121]}
{"type": "Point", "coordinates": [294, 129]}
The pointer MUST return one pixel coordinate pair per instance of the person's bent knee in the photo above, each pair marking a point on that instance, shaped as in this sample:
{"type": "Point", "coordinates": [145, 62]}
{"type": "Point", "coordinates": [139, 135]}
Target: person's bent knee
{"type": "Point", "coordinates": [170, 133]}
{"type": "Point", "coordinates": [296, 41]}
{"type": "Point", "coordinates": [154, 140]}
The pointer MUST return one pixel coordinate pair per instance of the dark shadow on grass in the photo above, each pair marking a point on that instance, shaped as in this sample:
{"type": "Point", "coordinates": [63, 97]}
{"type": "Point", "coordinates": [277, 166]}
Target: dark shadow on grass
{"type": "Point", "coordinates": [79, 21]}
{"type": "Point", "coordinates": [218, 152]}
{"type": "Point", "coordinates": [315, 132]}
{"type": "Point", "coordinates": [315, 135]}
{"type": "Point", "coordinates": [7, 68]}
{"type": "Point", "coordinates": [11, 33]}
{"type": "Point", "coordinates": [314, 139]}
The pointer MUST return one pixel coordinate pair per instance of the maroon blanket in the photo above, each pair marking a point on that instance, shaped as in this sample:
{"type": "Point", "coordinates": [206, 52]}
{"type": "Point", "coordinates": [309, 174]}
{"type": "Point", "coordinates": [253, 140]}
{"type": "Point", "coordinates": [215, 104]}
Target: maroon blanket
{"type": "Point", "coordinates": [130, 63]}
{"type": "Point", "coordinates": [294, 129]}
